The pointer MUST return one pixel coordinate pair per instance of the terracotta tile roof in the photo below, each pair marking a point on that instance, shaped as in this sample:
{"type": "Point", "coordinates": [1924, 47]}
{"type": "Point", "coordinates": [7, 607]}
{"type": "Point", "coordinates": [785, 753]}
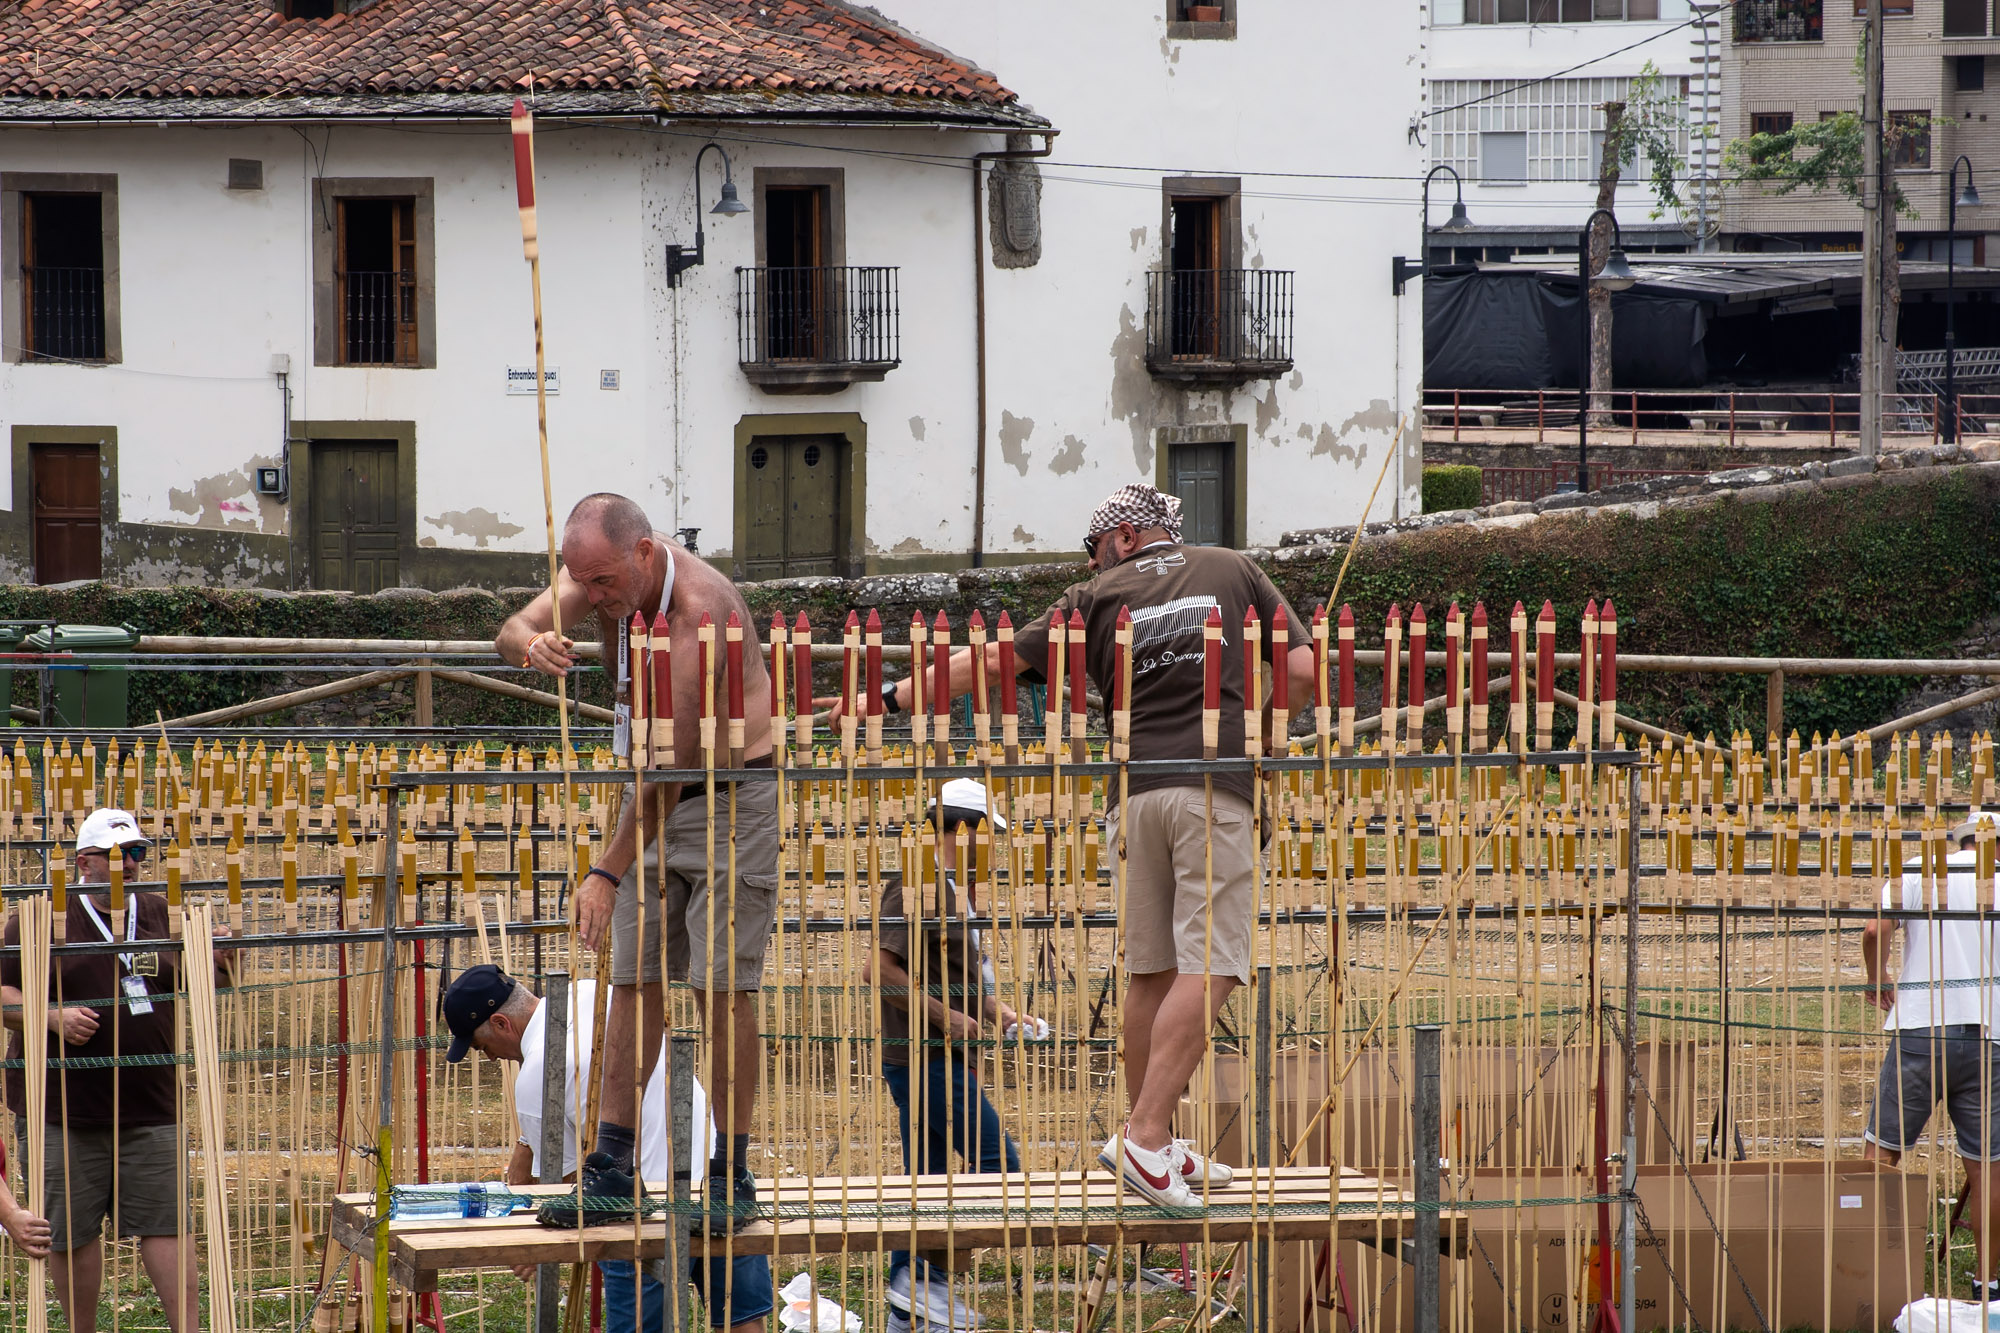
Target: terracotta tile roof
{"type": "Point", "coordinates": [234, 49]}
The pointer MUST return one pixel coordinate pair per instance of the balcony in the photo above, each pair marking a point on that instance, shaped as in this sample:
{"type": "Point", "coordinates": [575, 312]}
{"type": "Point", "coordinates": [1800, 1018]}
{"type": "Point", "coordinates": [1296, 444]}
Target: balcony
{"type": "Point", "coordinates": [817, 330]}
{"type": "Point", "coordinates": [1218, 326]}
{"type": "Point", "coordinates": [1778, 20]}
{"type": "Point", "coordinates": [65, 312]}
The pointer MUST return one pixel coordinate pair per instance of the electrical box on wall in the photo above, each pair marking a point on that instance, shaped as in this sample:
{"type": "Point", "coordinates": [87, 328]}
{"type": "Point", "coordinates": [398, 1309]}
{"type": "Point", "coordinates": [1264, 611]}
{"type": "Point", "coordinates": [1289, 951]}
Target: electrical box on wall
{"type": "Point", "coordinates": [270, 481]}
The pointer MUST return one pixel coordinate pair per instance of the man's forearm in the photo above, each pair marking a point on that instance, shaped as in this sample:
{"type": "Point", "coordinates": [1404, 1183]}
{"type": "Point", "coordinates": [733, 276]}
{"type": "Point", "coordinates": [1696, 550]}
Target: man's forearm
{"type": "Point", "coordinates": [12, 1002]}
{"type": "Point", "coordinates": [521, 1166]}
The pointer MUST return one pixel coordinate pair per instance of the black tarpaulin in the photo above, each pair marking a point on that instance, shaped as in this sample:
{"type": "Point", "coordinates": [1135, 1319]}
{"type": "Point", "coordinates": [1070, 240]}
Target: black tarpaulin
{"type": "Point", "coordinates": [1488, 330]}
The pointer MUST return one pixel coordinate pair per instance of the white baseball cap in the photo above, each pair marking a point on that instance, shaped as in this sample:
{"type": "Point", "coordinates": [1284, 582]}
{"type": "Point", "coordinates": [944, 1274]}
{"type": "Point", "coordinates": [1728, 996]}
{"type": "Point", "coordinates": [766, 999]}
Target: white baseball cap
{"type": "Point", "coordinates": [108, 828]}
{"type": "Point", "coordinates": [971, 797]}
{"type": "Point", "coordinates": [1971, 826]}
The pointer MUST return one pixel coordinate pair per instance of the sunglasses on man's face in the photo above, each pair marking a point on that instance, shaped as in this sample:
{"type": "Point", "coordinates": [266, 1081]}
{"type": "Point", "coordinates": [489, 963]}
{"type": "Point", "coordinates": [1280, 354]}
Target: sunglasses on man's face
{"type": "Point", "coordinates": [129, 853]}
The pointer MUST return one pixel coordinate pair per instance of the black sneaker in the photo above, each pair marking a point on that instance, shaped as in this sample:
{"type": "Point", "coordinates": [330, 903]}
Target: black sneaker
{"type": "Point", "coordinates": [729, 1202]}
{"type": "Point", "coordinates": [608, 1192]}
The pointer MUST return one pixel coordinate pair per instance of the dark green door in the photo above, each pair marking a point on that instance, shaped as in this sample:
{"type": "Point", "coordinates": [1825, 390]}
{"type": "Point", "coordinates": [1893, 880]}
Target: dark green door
{"type": "Point", "coordinates": [354, 515]}
{"type": "Point", "coordinates": [794, 506]}
{"type": "Point", "coordinates": [1204, 477]}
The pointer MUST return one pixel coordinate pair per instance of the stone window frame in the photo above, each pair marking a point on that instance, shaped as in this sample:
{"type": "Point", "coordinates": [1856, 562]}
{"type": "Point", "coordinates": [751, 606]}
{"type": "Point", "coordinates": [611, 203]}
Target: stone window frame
{"type": "Point", "coordinates": [1182, 30]}
{"type": "Point", "coordinates": [326, 194]}
{"type": "Point", "coordinates": [13, 319]}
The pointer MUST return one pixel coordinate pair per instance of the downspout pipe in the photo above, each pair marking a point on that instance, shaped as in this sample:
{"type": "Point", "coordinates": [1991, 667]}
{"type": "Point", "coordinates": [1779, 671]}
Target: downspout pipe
{"type": "Point", "coordinates": [979, 161]}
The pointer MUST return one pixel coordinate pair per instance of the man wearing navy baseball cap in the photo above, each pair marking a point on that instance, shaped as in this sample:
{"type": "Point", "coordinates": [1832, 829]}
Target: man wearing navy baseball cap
{"type": "Point", "coordinates": [489, 1011]}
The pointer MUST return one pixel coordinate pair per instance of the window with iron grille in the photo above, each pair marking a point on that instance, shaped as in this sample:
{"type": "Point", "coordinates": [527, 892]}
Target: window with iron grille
{"type": "Point", "coordinates": [62, 276]}
{"type": "Point", "coordinates": [374, 283]}
{"type": "Point", "coordinates": [378, 282]}
{"type": "Point", "coordinates": [59, 287]}
{"type": "Point", "coordinates": [1560, 120]}
{"type": "Point", "coordinates": [1779, 20]}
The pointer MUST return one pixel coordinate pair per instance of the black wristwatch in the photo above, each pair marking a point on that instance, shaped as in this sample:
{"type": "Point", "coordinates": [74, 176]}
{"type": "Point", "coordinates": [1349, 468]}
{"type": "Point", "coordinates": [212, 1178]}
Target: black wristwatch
{"type": "Point", "coordinates": [889, 704]}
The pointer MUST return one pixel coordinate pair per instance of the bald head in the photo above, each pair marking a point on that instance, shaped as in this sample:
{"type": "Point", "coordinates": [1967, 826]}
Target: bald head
{"type": "Point", "coordinates": [618, 520]}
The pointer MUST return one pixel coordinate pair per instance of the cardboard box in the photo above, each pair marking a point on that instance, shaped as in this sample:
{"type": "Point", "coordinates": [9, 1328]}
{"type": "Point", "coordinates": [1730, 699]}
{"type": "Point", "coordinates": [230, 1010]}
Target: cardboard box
{"type": "Point", "coordinates": [1839, 1250]}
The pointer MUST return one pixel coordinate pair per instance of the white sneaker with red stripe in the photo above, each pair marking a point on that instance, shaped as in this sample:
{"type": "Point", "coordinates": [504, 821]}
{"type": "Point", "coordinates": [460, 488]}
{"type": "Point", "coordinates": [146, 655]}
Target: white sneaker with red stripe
{"type": "Point", "coordinates": [1156, 1175]}
{"type": "Point", "coordinates": [1198, 1170]}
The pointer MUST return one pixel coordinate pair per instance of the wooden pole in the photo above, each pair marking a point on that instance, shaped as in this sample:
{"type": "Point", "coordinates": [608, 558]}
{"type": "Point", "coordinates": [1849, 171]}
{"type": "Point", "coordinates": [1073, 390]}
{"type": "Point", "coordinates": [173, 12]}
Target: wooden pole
{"type": "Point", "coordinates": [277, 703]}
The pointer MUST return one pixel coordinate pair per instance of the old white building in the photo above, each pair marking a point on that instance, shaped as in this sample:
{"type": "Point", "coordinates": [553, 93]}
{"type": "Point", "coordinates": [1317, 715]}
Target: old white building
{"type": "Point", "coordinates": [267, 320]}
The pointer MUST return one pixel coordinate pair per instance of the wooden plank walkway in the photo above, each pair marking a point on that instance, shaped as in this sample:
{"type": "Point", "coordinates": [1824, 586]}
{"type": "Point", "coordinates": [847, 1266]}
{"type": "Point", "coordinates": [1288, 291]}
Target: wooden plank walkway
{"type": "Point", "coordinates": [834, 1215]}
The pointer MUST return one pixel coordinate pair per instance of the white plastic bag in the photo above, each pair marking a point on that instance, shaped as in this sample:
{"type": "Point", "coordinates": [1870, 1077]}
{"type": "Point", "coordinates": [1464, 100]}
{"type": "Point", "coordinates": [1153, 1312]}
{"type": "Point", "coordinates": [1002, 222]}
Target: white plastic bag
{"type": "Point", "coordinates": [803, 1313]}
{"type": "Point", "coordinates": [1936, 1314]}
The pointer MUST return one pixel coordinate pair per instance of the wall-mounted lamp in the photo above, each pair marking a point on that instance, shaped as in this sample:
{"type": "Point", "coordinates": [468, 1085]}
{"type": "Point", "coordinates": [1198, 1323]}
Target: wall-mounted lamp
{"type": "Point", "coordinates": [679, 257]}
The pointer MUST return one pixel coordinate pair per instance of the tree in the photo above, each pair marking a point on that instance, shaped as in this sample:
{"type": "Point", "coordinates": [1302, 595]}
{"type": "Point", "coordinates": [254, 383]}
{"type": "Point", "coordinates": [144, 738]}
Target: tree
{"type": "Point", "coordinates": [1648, 124]}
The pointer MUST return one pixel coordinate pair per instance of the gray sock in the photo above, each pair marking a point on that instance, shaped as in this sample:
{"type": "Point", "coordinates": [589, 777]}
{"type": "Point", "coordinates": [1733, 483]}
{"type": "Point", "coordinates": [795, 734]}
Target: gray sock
{"type": "Point", "coordinates": [618, 1142]}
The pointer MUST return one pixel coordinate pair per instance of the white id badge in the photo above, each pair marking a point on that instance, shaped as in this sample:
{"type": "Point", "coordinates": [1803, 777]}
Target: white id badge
{"type": "Point", "coordinates": [621, 730]}
{"type": "Point", "coordinates": [135, 994]}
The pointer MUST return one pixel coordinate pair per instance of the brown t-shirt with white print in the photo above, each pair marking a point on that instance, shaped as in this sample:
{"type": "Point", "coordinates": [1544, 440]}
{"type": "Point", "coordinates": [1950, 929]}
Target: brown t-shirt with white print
{"type": "Point", "coordinates": [1169, 589]}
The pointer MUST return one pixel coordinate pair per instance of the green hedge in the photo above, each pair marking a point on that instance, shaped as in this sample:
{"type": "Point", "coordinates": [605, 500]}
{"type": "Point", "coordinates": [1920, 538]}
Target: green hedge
{"type": "Point", "coordinates": [1899, 565]}
{"type": "Point", "coordinates": [399, 614]}
{"type": "Point", "coordinates": [1451, 486]}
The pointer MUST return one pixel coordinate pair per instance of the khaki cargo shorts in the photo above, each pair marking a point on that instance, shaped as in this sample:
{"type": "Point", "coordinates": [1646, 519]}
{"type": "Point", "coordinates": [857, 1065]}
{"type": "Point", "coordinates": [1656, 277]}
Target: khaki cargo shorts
{"type": "Point", "coordinates": [681, 897]}
{"type": "Point", "coordinates": [1179, 914]}
{"type": "Point", "coordinates": [77, 1191]}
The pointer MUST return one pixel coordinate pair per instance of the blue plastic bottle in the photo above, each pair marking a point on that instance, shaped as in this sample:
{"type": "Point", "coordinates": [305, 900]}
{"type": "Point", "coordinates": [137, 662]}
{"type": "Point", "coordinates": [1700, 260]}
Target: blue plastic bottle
{"type": "Point", "coordinates": [472, 1200]}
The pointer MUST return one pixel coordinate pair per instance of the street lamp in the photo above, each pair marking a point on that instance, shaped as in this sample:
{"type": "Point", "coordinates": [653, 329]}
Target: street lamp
{"type": "Point", "coordinates": [1953, 197]}
{"type": "Point", "coordinates": [680, 258]}
{"type": "Point", "coordinates": [1401, 270]}
{"type": "Point", "coordinates": [1615, 276]}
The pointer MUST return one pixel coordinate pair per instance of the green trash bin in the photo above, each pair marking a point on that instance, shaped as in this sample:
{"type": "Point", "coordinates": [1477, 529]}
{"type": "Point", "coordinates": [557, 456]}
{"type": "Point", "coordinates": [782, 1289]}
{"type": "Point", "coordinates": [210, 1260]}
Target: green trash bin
{"type": "Point", "coordinates": [85, 695]}
{"type": "Point", "coordinates": [10, 642]}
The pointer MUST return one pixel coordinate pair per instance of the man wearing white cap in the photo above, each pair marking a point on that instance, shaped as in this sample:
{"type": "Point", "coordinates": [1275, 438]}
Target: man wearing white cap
{"type": "Point", "coordinates": [1942, 1009]}
{"type": "Point", "coordinates": [115, 1006]}
{"type": "Point", "coordinates": [930, 1023]}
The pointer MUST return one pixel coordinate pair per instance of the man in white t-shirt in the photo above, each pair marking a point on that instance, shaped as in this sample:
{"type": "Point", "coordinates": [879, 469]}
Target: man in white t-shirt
{"type": "Point", "coordinates": [1942, 1009]}
{"type": "Point", "coordinates": [489, 1011]}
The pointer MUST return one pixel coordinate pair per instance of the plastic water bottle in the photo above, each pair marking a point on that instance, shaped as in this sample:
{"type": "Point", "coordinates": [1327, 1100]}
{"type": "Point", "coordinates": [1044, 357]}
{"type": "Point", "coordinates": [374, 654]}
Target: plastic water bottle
{"type": "Point", "coordinates": [471, 1200]}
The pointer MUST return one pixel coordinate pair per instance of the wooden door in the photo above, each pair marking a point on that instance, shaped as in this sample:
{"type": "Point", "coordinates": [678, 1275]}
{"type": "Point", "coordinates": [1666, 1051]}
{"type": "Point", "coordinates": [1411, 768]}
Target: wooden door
{"type": "Point", "coordinates": [68, 518]}
{"type": "Point", "coordinates": [794, 499]}
{"type": "Point", "coordinates": [355, 516]}
{"type": "Point", "coordinates": [1204, 477]}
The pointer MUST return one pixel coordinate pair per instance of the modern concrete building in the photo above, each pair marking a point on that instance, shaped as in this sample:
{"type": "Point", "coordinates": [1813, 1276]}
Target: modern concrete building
{"type": "Point", "coordinates": [1514, 106]}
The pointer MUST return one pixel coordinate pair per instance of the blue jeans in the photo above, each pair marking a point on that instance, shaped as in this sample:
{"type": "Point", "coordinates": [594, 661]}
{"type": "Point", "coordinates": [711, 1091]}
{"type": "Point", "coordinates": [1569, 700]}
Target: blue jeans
{"type": "Point", "coordinates": [749, 1292]}
{"type": "Point", "coordinates": [956, 1114]}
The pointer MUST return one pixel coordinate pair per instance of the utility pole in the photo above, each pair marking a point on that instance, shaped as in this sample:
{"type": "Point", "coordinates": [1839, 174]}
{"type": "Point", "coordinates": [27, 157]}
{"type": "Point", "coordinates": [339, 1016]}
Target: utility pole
{"type": "Point", "coordinates": [1872, 205]}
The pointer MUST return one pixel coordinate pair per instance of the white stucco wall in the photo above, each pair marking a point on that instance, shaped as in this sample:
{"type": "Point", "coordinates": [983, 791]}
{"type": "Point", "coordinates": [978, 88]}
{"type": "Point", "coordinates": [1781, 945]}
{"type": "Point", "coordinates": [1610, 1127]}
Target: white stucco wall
{"type": "Point", "coordinates": [1303, 88]}
{"type": "Point", "coordinates": [215, 282]}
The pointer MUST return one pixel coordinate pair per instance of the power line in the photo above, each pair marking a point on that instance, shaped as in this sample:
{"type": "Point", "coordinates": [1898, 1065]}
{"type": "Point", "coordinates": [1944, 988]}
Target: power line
{"type": "Point", "coordinates": [1561, 73]}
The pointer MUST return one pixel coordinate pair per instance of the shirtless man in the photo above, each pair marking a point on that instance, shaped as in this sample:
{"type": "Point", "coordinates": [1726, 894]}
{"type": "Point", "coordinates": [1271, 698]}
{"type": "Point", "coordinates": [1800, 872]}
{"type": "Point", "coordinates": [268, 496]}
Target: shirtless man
{"type": "Point", "coordinates": [615, 564]}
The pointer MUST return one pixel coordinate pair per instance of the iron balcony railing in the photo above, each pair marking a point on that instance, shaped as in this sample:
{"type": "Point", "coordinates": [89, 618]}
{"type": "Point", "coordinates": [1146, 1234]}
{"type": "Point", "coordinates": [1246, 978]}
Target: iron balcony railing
{"type": "Point", "coordinates": [65, 312]}
{"type": "Point", "coordinates": [379, 319]}
{"type": "Point", "coordinates": [818, 316]}
{"type": "Point", "coordinates": [1778, 20]}
{"type": "Point", "coordinates": [1228, 318]}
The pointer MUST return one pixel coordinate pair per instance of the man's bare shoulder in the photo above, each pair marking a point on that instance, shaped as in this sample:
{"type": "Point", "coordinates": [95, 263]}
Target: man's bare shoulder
{"type": "Point", "coordinates": [700, 586]}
